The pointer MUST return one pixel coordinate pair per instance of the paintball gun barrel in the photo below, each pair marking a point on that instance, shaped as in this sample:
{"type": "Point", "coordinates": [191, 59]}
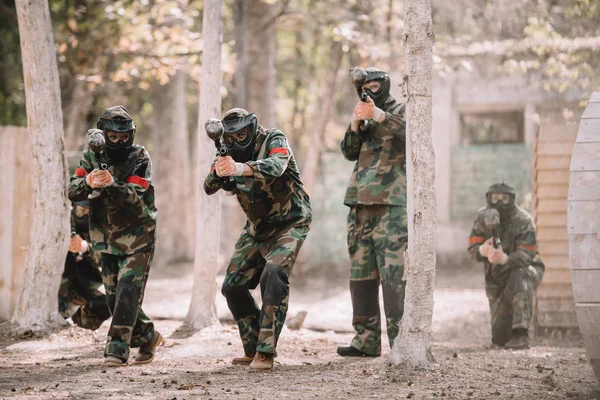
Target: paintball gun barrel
{"type": "Point", "coordinates": [359, 77]}
{"type": "Point", "coordinates": [491, 218]}
{"type": "Point", "coordinates": [214, 130]}
{"type": "Point", "coordinates": [96, 143]}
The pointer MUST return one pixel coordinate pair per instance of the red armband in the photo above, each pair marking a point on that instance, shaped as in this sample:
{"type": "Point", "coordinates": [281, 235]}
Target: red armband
{"type": "Point", "coordinates": [80, 172]}
{"type": "Point", "coordinates": [136, 180]}
{"type": "Point", "coordinates": [476, 240]}
{"type": "Point", "coordinates": [281, 150]}
{"type": "Point", "coordinates": [530, 247]}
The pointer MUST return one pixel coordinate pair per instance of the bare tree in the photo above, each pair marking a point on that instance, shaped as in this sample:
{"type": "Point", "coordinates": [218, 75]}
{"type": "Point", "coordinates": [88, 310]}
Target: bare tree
{"type": "Point", "coordinates": [312, 162]}
{"type": "Point", "coordinates": [174, 189]}
{"type": "Point", "coordinates": [38, 305]}
{"type": "Point", "coordinates": [202, 311]}
{"type": "Point", "coordinates": [261, 73]}
{"type": "Point", "coordinates": [413, 345]}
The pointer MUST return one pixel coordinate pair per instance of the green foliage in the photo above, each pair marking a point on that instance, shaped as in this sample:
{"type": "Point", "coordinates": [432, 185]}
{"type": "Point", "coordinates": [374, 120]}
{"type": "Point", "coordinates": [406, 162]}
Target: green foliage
{"type": "Point", "coordinates": [12, 91]}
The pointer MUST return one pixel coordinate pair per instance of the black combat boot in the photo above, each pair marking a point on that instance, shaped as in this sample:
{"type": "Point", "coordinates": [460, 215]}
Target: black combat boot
{"type": "Point", "coordinates": [349, 351]}
{"type": "Point", "coordinates": [519, 340]}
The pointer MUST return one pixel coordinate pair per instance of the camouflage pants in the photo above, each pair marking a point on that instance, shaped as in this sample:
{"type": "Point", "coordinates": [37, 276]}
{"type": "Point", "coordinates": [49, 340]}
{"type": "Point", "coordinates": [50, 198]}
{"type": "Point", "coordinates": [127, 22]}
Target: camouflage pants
{"type": "Point", "coordinates": [510, 294]}
{"type": "Point", "coordinates": [79, 290]}
{"type": "Point", "coordinates": [377, 238]}
{"type": "Point", "coordinates": [269, 263]}
{"type": "Point", "coordinates": [125, 279]}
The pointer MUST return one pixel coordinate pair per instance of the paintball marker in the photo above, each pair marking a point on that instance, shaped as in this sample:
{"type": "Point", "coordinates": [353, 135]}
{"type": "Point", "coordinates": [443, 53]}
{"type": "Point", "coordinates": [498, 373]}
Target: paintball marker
{"type": "Point", "coordinates": [96, 143]}
{"type": "Point", "coordinates": [214, 129]}
{"type": "Point", "coordinates": [359, 77]}
{"type": "Point", "coordinates": [491, 218]}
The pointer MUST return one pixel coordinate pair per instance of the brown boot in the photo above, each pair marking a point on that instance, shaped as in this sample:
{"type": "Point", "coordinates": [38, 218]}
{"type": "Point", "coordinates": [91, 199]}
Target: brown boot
{"type": "Point", "coordinates": [262, 362]}
{"type": "Point", "coordinates": [147, 350]}
{"type": "Point", "coordinates": [245, 360]}
{"type": "Point", "coordinates": [113, 361]}
{"type": "Point", "coordinates": [519, 340]}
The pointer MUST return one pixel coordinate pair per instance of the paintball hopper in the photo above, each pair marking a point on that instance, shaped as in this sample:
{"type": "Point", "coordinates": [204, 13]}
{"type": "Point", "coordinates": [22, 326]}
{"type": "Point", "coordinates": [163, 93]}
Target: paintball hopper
{"type": "Point", "coordinates": [96, 140]}
{"type": "Point", "coordinates": [491, 218]}
{"type": "Point", "coordinates": [214, 129]}
{"type": "Point", "coordinates": [358, 76]}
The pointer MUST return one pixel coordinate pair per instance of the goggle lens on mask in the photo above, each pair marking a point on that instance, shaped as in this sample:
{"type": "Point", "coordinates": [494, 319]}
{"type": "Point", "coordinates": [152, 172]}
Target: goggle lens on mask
{"type": "Point", "coordinates": [496, 197]}
{"type": "Point", "coordinates": [239, 136]}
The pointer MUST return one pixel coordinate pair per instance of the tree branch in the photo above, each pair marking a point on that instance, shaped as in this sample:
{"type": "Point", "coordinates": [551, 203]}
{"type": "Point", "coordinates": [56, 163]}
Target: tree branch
{"type": "Point", "coordinates": [274, 18]}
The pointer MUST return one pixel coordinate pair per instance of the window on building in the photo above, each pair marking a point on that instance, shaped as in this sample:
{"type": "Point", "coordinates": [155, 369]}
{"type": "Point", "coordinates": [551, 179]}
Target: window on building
{"type": "Point", "coordinates": [492, 127]}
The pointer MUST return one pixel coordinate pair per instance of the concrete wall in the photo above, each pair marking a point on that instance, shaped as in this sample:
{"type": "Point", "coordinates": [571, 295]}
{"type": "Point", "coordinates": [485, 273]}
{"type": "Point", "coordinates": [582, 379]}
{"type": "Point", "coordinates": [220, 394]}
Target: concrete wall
{"type": "Point", "coordinates": [16, 208]}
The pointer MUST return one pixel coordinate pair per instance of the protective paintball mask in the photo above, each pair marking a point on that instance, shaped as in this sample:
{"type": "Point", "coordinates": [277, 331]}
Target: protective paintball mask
{"type": "Point", "coordinates": [239, 135]}
{"type": "Point", "coordinates": [383, 93]}
{"type": "Point", "coordinates": [117, 119]}
{"type": "Point", "coordinates": [501, 197]}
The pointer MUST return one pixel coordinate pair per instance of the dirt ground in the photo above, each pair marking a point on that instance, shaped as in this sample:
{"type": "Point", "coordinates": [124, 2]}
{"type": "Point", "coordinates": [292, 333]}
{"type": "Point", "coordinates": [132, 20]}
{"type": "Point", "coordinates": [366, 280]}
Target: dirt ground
{"type": "Point", "coordinates": [67, 364]}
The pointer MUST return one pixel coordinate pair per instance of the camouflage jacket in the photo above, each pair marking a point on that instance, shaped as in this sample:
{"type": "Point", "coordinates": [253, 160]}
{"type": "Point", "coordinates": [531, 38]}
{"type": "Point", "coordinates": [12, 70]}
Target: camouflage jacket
{"type": "Point", "coordinates": [379, 176]}
{"type": "Point", "coordinates": [517, 238]}
{"type": "Point", "coordinates": [123, 217]}
{"type": "Point", "coordinates": [93, 257]}
{"type": "Point", "coordinates": [274, 198]}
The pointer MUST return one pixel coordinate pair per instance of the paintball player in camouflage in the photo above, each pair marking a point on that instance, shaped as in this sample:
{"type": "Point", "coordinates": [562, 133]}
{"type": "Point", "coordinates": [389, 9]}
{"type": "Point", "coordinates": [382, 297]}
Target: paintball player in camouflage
{"type": "Point", "coordinates": [269, 190]}
{"type": "Point", "coordinates": [377, 228]}
{"type": "Point", "coordinates": [78, 295]}
{"type": "Point", "coordinates": [513, 271]}
{"type": "Point", "coordinates": [122, 229]}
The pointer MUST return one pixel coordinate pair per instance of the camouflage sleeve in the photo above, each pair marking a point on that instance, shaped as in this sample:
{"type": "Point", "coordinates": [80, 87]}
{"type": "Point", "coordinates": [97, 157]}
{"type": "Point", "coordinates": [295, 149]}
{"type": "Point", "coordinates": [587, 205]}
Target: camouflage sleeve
{"type": "Point", "coordinates": [278, 157]}
{"type": "Point", "coordinates": [212, 183]}
{"type": "Point", "coordinates": [135, 186]}
{"type": "Point", "coordinates": [476, 238]}
{"type": "Point", "coordinates": [525, 247]}
{"type": "Point", "coordinates": [78, 187]}
{"type": "Point", "coordinates": [351, 145]}
{"type": "Point", "coordinates": [394, 122]}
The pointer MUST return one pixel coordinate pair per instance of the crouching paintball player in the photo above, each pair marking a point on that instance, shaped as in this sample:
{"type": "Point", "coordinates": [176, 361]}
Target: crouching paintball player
{"type": "Point", "coordinates": [513, 267]}
{"type": "Point", "coordinates": [122, 229]}
{"type": "Point", "coordinates": [377, 226]}
{"type": "Point", "coordinates": [78, 295]}
{"type": "Point", "coordinates": [268, 187]}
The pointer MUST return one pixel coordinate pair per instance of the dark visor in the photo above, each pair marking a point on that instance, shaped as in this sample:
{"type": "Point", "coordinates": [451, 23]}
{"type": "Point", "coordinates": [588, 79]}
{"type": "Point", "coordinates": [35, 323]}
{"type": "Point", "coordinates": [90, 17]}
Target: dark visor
{"type": "Point", "coordinates": [234, 125]}
{"type": "Point", "coordinates": [118, 125]}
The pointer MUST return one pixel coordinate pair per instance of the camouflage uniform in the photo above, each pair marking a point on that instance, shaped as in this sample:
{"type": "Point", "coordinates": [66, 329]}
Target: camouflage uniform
{"type": "Point", "coordinates": [278, 217]}
{"type": "Point", "coordinates": [510, 287]}
{"type": "Point", "coordinates": [122, 229]}
{"type": "Point", "coordinates": [377, 228]}
{"type": "Point", "coordinates": [79, 286]}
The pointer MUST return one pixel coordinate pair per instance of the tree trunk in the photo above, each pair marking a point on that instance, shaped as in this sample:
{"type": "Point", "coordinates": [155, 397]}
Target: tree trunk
{"type": "Point", "coordinates": [75, 111]}
{"type": "Point", "coordinates": [312, 162]}
{"type": "Point", "coordinates": [172, 165]}
{"type": "Point", "coordinates": [38, 304]}
{"type": "Point", "coordinates": [202, 312]}
{"type": "Point", "coordinates": [240, 12]}
{"type": "Point", "coordinates": [413, 345]}
{"type": "Point", "coordinates": [261, 76]}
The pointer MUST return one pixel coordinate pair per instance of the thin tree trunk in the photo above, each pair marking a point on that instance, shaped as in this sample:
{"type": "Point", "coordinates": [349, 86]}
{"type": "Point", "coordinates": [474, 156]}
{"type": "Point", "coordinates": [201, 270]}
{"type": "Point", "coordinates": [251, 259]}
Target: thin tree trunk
{"type": "Point", "coordinates": [240, 11]}
{"type": "Point", "coordinates": [174, 188]}
{"type": "Point", "coordinates": [75, 111]}
{"type": "Point", "coordinates": [413, 345]}
{"type": "Point", "coordinates": [261, 63]}
{"type": "Point", "coordinates": [38, 304]}
{"type": "Point", "coordinates": [312, 162]}
{"type": "Point", "coordinates": [202, 312]}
